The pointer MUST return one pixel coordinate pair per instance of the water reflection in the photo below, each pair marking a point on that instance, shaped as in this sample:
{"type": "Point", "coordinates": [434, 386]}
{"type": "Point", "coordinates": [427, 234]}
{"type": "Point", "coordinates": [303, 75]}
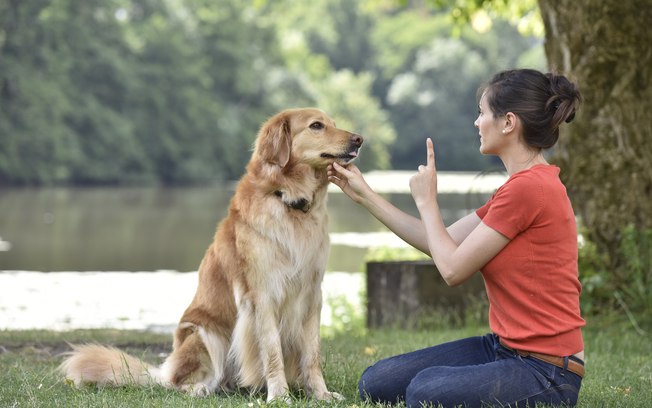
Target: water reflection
{"type": "Point", "coordinates": [146, 229]}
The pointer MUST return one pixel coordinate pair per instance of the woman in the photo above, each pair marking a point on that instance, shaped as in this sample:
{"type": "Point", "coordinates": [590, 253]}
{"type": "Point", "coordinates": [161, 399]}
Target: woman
{"type": "Point", "coordinates": [524, 242]}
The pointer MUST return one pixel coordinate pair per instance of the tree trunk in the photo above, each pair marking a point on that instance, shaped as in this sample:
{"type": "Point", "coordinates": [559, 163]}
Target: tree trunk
{"type": "Point", "coordinates": [606, 154]}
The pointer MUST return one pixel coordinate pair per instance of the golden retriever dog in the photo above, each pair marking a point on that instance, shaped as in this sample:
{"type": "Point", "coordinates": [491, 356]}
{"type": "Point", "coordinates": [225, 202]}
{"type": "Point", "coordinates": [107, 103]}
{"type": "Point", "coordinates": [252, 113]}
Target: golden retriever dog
{"type": "Point", "coordinates": [255, 318]}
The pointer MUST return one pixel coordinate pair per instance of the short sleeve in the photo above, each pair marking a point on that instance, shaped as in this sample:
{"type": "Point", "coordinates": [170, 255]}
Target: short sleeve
{"type": "Point", "coordinates": [514, 207]}
{"type": "Point", "coordinates": [482, 211]}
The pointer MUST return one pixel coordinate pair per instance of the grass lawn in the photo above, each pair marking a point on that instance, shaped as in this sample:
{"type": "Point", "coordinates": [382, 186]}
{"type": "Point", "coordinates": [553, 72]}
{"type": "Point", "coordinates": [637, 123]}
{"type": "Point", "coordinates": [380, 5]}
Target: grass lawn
{"type": "Point", "coordinates": [619, 368]}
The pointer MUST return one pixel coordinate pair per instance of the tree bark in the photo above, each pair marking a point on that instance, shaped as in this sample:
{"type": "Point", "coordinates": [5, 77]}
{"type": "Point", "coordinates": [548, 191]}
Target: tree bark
{"type": "Point", "coordinates": [606, 153]}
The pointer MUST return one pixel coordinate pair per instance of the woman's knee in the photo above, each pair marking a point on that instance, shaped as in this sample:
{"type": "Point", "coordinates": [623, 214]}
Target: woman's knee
{"type": "Point", "coordinates": [369, 384]}
{"type": "Point", "coordinates": [429, 386]}
{"type": "Point", "coordinates": [378, 384]}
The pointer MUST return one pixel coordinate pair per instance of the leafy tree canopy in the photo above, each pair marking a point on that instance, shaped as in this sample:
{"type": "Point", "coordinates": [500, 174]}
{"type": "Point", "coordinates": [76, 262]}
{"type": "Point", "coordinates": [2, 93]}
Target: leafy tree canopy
{"type": "Point", "coordinates": [151, 91]}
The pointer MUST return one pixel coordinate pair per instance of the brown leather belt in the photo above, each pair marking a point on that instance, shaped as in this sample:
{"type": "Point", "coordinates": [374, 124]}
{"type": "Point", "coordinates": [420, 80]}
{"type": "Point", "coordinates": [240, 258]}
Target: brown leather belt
{"type": "Point", "coordinates": [573, 366]}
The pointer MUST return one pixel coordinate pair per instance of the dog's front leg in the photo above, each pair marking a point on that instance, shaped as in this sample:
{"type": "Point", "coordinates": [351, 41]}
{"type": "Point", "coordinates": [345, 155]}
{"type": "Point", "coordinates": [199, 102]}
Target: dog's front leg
{"type": "Point", "coordinates": [313, 378]}
{"type": "Point", "coordinates": [271, 354]}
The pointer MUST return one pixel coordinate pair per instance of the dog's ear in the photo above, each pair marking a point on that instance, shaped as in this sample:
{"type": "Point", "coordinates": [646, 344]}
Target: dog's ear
{"type": "Point", "coordinates": [274, 143]}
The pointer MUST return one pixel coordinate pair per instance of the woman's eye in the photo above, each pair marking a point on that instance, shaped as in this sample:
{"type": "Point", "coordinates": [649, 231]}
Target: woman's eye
{"type": "Point", "coordinates": [317, 126]}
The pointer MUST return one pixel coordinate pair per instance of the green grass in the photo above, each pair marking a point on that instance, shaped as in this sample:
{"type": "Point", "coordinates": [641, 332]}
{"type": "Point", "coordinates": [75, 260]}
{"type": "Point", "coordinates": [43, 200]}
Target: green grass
{"type": "Point", "coordinates": [619, 368]}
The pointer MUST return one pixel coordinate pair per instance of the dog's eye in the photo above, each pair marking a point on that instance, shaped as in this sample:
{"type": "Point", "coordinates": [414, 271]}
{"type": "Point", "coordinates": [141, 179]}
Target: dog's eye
{"type": "Point", "coordinates": [317, 126]}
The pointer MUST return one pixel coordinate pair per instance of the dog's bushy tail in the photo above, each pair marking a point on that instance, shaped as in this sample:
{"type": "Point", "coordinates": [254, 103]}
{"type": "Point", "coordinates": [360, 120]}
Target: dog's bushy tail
{"type": "Point", "coordinates": [107, 366]}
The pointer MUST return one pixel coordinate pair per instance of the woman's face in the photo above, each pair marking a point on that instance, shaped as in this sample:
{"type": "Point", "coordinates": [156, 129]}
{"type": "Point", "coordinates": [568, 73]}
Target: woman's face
{"type": "Point", "coordinates": [489, 128]}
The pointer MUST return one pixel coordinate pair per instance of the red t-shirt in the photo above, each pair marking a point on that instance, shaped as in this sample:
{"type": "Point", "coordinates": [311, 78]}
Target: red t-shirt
{"type": "Point", "coordinates": [532, 284]}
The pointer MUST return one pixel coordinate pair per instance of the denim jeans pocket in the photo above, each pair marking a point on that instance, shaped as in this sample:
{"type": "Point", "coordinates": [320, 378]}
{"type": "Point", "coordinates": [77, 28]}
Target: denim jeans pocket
{"type": "Point", "coordinates": [562, 386]}
{"type": "Point", "coordinates": [547, 370]}
{"type": "Point", "coordinates": [566, 394]}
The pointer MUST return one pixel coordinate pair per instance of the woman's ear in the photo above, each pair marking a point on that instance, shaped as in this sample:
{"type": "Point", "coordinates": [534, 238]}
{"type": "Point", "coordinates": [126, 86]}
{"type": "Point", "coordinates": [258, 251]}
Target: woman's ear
{"type": "Point", "coordinates": [274, 142]}
{"type": "Point", "coordinates": [511, 122]}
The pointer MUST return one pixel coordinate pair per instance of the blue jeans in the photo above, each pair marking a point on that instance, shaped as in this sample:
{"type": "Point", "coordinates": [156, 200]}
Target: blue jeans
{"type": "Point", "coordinates": [472, 372]}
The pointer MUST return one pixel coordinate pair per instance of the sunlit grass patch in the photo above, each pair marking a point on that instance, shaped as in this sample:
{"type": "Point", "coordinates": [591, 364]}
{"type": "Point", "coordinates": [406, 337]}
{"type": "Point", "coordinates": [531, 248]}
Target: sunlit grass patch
{"type": "Point", "coordinates": [619, 368]}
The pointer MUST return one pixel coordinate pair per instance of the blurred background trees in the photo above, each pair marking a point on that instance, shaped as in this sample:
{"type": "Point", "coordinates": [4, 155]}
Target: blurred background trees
{"type": "Point", "coordinates": [171, 92]}
{"type": "Point", "coordinates": [123, 92]}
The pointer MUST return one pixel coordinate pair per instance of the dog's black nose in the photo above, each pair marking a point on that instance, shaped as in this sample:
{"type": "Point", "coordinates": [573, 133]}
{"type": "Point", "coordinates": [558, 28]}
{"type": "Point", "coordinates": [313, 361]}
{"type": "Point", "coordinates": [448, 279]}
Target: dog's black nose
{"type": "Point", "coordinates": [357, 139]}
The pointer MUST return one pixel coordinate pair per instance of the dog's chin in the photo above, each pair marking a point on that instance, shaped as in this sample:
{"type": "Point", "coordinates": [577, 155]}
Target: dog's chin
{"type": "Point", "coordinates": [345, 161]}
{"type": "Point", "coordinates": [341, 159]}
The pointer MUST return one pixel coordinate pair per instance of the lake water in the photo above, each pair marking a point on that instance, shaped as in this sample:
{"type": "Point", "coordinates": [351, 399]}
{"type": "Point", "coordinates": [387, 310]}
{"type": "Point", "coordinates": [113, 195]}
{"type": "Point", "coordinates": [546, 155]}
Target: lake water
{"type": "Point", "coordinates": [149, 229]}
{"type": "Point", "coordinates": [96, 238]}
{"type": "Point", "coordinates": [125, 300]}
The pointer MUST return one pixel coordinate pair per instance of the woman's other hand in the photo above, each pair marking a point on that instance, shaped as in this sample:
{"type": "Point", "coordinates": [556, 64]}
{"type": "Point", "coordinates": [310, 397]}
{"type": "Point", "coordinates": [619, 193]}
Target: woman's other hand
{"type": "Point", "coordinates": [349, 179]}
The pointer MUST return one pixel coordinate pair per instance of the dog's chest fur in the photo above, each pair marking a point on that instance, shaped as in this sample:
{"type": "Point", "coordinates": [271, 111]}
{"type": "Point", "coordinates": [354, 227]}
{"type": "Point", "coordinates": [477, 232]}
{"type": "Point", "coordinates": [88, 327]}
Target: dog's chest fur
{"type": "Point", "coordinates": [290, 245]}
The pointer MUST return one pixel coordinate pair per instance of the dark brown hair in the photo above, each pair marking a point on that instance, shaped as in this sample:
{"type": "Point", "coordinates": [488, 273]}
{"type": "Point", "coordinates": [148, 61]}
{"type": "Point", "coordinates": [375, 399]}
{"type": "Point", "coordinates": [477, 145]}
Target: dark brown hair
{"type": "Point", "coordinates": [541, 101]}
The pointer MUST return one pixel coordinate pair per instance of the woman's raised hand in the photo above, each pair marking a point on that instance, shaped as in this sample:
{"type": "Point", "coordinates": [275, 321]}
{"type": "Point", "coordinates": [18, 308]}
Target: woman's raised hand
{"type": "Point", "coordinates": [423, 185]}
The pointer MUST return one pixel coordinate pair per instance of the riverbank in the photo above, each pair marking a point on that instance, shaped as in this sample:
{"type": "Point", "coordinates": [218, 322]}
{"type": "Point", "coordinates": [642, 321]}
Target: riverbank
{"type": "Point", "coordinates": [152, 301]}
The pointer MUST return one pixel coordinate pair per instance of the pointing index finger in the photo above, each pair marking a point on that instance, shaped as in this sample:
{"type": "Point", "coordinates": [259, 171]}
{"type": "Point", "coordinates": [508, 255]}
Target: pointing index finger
{"type": "Point", "coordinates": [431, 153]}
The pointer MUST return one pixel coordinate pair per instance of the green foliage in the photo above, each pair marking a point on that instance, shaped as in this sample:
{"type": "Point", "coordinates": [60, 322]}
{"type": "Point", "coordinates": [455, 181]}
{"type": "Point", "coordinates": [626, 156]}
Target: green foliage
{"type": "Point", "coordinates": [523, 14]}
{"type": "Point", "coordinates": [597, 290]}
{"type": "Point", "coordinates": [385, 253]}
{"type": "Point", "coordinates": [424, 78]}
{"type": "Point", "coordinates": [628, 288]}
{"type": "Point", "coordinates": [106, 92]}
{"type": "Point", "coordinates": [329, 59]}
{"type": "Point", "coordinates": [145, 92]}
{"type": "Point", "coordinates": [636, 276]}
{"type": "Point", "coordinates": [435, 95]}
{"type": "Point", "coordinates": [397, 47]}
{"type": "Point", "coordinates": [347, 318]}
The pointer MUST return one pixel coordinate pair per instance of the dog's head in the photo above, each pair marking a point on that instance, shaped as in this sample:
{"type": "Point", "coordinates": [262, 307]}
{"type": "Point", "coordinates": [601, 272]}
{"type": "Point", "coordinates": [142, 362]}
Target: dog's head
{"type": "Point", "coordinates": [307, 136]}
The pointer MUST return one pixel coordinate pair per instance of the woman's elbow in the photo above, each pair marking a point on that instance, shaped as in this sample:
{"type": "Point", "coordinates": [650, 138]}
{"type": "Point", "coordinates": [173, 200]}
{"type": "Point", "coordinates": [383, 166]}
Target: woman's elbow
{"type": "Point", "coordinates": [453, 281]}
{"type": "Point", "coordinates": [453, 277]}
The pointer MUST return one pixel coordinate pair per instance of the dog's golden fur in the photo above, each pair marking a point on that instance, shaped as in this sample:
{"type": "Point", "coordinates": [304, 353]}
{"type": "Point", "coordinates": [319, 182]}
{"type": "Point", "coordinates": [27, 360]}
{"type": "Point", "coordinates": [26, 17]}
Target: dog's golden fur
{"type": "Point", "coordinates": [254, 320]}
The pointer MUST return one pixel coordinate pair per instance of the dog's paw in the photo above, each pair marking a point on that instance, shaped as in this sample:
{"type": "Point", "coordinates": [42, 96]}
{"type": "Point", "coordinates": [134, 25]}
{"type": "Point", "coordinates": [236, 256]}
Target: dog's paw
{"type": "Point", "coordinates": [329, 396]}
{"type": "Point", "coordinates": [286, 398]}
{"type": "Point", "coordinates": [278, 392]}
{"type": "Point", "coordinates": [197, 390]}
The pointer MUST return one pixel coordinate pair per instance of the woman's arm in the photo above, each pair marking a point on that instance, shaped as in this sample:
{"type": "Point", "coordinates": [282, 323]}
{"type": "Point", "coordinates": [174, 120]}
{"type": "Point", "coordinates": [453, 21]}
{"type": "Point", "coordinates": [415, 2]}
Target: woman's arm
{"type": "Point", "coordinates": [408, 228]}
{"type": "Point", "coordinates": [463, 227]}
{"type": "Point", "coordinates": [456, 259]}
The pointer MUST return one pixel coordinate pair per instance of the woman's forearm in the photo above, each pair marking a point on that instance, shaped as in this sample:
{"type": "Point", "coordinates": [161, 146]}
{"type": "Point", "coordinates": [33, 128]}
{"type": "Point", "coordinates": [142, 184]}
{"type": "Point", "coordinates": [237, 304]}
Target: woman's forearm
{"type": "Point", "coordinates": [462, 249]}
{"type": "Point", "coordinates": [407, 227]}
{"type": "Point", "coordinates": [411, 229]}
{"type": "Point", "coordinates": [352, 183]}
{"type": "Point", "coordinates": [440, 243]}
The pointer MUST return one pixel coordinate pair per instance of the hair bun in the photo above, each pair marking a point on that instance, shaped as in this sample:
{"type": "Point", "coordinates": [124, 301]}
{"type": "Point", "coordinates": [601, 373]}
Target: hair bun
{"type": "Point", "coordinates": [570, 117]}
{"type": "Point", "coordinates": [564, 97]}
